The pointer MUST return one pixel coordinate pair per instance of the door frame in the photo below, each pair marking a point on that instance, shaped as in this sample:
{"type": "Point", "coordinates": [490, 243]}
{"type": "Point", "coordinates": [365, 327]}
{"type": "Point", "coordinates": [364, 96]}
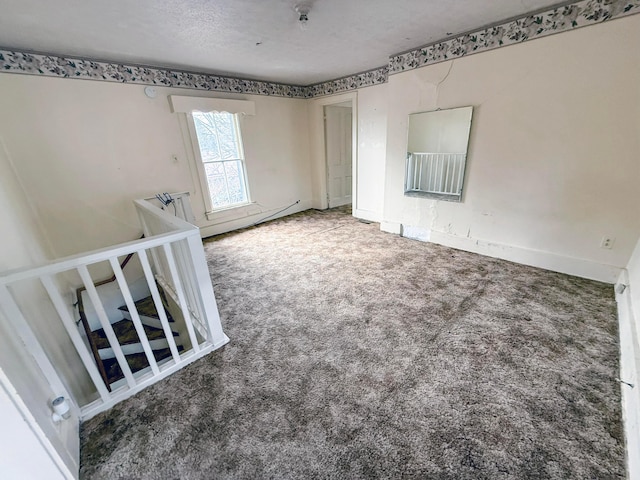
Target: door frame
{"type": "Point", "coordinates": [318, 148]}
{"type": "Point", "coordinates": [342, 106]}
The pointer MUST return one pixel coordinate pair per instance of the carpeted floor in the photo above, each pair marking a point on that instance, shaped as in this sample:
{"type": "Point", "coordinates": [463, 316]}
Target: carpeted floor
{"type": "Point", "coordinates": [360, 354]}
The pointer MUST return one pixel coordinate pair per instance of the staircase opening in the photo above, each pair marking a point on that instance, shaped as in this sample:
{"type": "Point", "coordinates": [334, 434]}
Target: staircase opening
{"type": "Point", "coordinates": [134, 313]}
{"type": "Point", "coordinates": [127, 336]}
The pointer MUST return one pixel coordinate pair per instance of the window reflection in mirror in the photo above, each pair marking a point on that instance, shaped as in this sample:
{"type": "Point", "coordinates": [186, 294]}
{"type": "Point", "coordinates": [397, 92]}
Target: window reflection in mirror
{"type": "Point", "coordinates": [437, 153]}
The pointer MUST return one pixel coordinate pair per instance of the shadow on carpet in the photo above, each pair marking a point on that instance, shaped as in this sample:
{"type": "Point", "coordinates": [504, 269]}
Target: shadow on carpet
{"type": "Point", "coordinates": [360, 354]}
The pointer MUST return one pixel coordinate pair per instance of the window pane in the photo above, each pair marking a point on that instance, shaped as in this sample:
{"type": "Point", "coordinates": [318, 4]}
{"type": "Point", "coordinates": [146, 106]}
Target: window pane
{"type": "Point", "coordinates": [217, 184]}
{"type": "Point", "coordinates": [207, 134]}
{"type": "Point", "coordinates": [217, 136]}
{"type": "Point", "coordinates": [226, 183]}
{"type": "Point", "coordinates": [235, 182]}
{"type": "Point", "coordinates": [220, 149]}
{"type": "Point", "coordinates": [227, 139]}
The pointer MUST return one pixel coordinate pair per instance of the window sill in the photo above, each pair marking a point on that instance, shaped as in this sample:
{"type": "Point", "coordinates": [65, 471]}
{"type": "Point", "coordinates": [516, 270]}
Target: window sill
{"type": "Point", "coordinates": [434, 196]}
{"type": "Point", "coordinates": [236, 211]}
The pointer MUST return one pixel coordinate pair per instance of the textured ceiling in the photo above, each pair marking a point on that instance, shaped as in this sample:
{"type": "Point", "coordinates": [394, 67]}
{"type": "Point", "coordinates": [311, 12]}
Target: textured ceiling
{"type": "Point", "coordinates": [256, 39]}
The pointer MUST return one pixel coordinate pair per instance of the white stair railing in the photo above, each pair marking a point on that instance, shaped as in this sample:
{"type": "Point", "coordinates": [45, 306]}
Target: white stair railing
{"type": "Point", "coordinates": [171, 256]}
{"type": "Point", "coordinates": [435, 173]}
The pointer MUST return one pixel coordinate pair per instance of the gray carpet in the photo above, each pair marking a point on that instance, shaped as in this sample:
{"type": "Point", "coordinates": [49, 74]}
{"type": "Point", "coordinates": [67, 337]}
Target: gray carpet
{"type": "Point", "coordinates": [360, 354]}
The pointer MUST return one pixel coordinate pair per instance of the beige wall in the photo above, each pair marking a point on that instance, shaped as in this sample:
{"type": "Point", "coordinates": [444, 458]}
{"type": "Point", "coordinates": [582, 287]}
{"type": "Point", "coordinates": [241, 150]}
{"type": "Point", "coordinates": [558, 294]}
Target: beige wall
{"type": "Point", "coordinates": [84, 150]}
{"type": "Point", "coordinates": [553, 156]}
{"type": "Point", "coordinates": [23, 245]}
{"type": "Point", "coordinates": [371, 141]}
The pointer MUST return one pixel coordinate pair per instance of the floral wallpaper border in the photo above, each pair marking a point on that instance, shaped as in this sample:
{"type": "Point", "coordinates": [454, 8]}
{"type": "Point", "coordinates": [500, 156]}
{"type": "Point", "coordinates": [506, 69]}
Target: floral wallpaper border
{"type": "Point", "coordinates": [569, 17]}
{"type": "Point", "coordinates": [66, 67]}
{"type": "Point", "coordinates": [352, 82]}
{"type": "Point", "coordinates": [561, 19]}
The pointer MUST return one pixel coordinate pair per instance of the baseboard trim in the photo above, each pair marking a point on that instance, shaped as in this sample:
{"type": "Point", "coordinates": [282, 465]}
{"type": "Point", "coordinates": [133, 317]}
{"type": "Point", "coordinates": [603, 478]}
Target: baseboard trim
{"type": "Point", "coordinates": [391, 227]}
{"type": "Point", "coordinates": [578, 267]}
{"type": "Point", "coordinates": [247, 218]}
{"type": "Point", "coordinates": [629, 364]}
{"type": "Point", "coordinates": [367, 215]}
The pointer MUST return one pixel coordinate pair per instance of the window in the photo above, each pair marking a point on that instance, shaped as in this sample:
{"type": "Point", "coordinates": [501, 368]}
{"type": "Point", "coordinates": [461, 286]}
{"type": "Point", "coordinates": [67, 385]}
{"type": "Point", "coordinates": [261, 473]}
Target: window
{"type": "Point", "coordinates": [220, 145]}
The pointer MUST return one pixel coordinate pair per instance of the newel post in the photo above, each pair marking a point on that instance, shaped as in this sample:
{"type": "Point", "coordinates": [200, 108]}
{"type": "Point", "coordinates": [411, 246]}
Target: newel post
{"type": "Point", "coordinates": [205, 290]}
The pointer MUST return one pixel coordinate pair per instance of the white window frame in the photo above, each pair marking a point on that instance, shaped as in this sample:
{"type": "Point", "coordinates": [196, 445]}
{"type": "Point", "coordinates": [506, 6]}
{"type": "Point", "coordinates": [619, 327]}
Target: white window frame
{"type": "Point", "coordinates": [187, 105]}
{"type": "Point", "coordinates": [202, 175]}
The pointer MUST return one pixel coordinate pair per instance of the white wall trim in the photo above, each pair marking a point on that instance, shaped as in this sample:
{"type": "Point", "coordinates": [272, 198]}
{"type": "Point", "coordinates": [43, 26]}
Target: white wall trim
{"type": "Point", "coordinates": [246, 217]}
{"type": "Point", "coordinates": [367, 215]}
{"type": "Point", "coordinates": [629, 365]}
{"type": "Point", "coordinates": [391, 227]}
{"type": "Point", "coordinates": [579, 267]}
{"type": "Point", "coordinates": [183, 104]}
{"type": "Point", "coordinates": [228, 214]}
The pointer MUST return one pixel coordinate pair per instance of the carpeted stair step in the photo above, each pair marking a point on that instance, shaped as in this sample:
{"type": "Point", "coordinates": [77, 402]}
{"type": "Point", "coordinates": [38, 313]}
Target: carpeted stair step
{"type": "Point", "coordinates": [134, 348]}
{"type": "Point", "coordinates": [136, 362]}
{"type": "Point", "coordinates": [126, 333]}
{"type": "Point", "coordinates": [148, 314]}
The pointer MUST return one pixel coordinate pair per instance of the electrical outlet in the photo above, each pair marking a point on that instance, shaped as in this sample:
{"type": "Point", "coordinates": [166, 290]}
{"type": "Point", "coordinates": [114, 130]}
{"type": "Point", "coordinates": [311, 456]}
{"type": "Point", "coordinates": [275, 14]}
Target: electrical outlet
{"type": "Point", "coordinates": [607, 242]}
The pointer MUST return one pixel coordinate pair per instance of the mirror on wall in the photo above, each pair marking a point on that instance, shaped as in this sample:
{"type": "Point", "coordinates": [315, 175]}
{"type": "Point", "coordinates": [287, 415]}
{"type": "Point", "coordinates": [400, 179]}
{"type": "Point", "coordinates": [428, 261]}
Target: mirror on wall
{"type": "Point", "coordinates": [437, 153]}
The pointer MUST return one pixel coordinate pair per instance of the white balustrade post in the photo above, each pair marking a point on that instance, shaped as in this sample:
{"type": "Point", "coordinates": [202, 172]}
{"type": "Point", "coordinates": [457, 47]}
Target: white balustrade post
{"type": "Point", "coordinates": [157, 301]}
{"type": "Point", "coordinates": [72, 330]}
{"type": "Point", "coordinates": [106, 325]}
{"type": "Point", "coordinates": [205, 289]}
{"type": "Point", "coordinates": [148, 233]}
{"type": "Point", "coordinates": [135, 317]}
{"type": "Point", "coordinates": [177, 284]}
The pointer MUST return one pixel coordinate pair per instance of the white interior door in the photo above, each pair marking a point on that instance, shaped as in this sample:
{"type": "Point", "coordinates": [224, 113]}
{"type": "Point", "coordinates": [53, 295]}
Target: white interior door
{"type": "Point", "coordinates": [337, 127]}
